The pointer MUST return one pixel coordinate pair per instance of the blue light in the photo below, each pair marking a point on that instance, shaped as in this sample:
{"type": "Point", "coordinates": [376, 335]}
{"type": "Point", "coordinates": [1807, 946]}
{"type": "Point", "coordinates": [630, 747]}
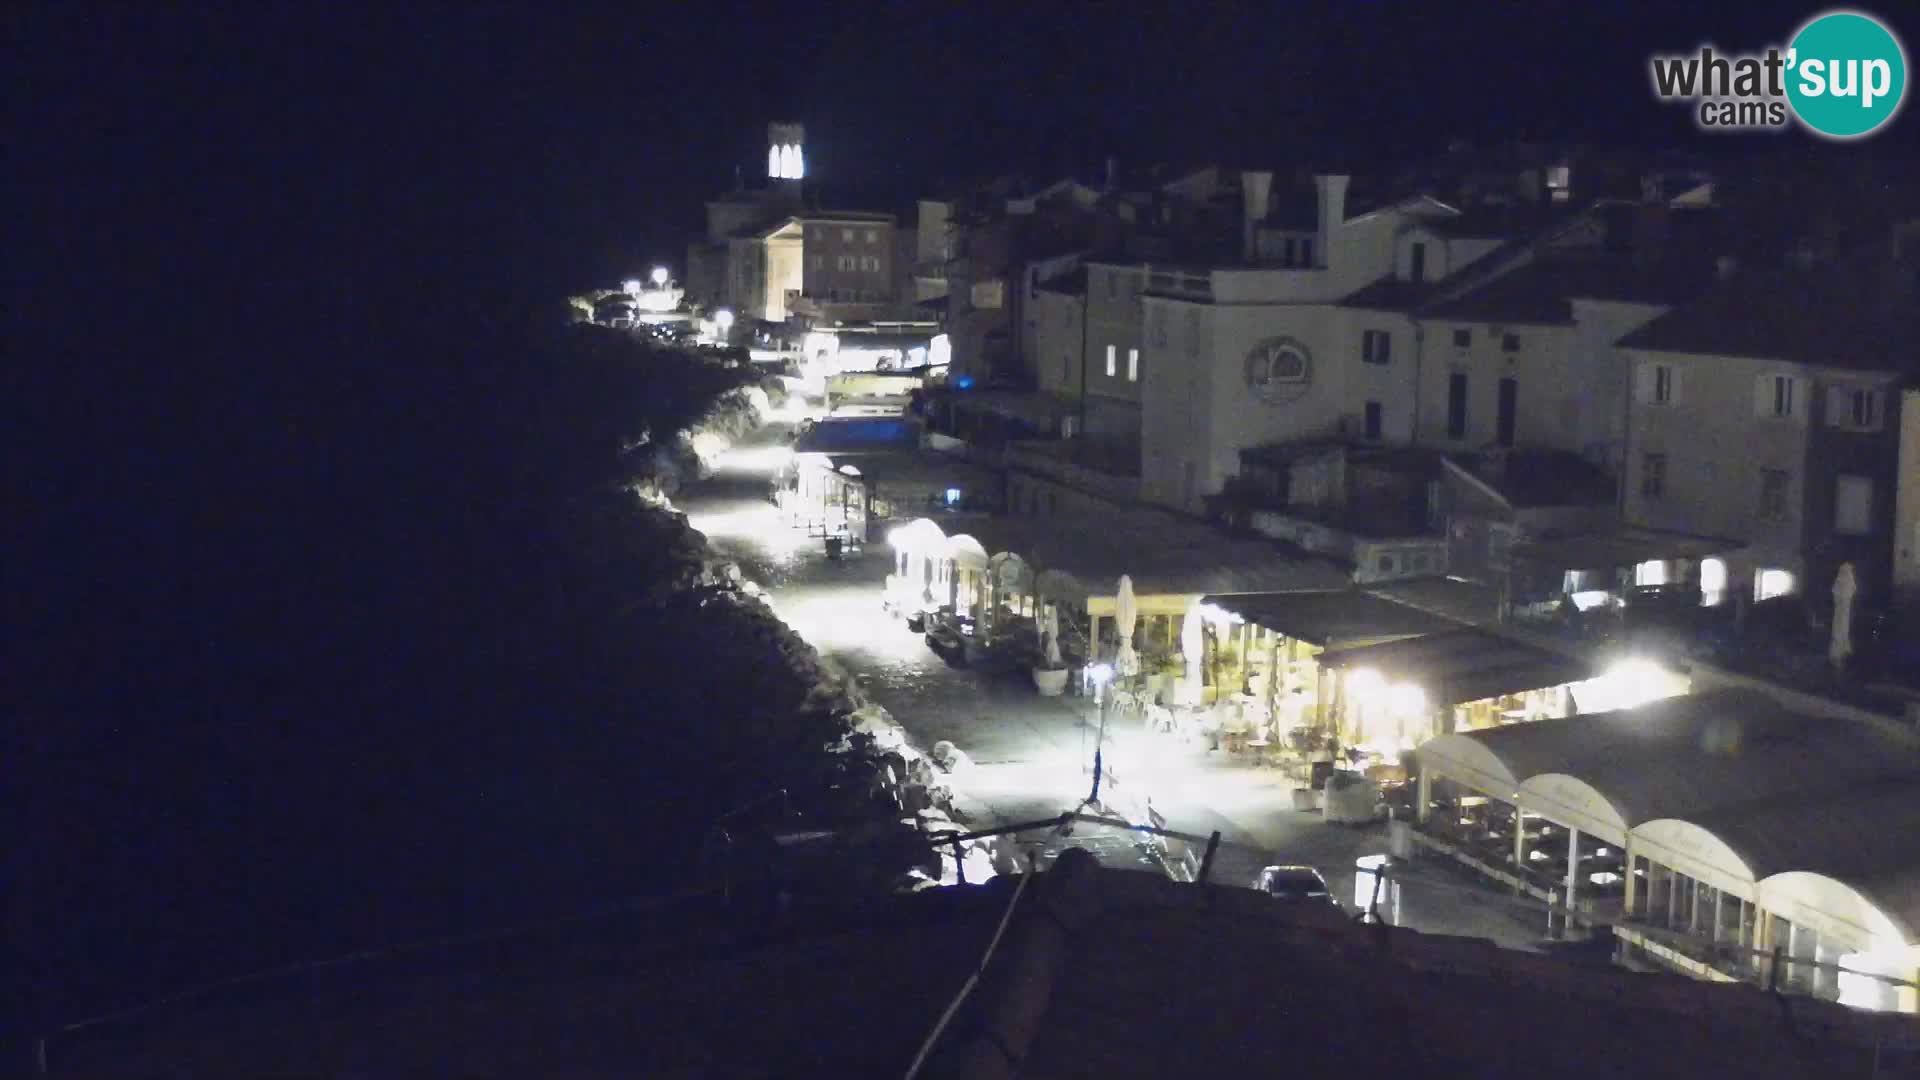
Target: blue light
{"type": "Point", "coordinates": [953, 496]}
{"type": "Point", "coordinates": [964, 382]}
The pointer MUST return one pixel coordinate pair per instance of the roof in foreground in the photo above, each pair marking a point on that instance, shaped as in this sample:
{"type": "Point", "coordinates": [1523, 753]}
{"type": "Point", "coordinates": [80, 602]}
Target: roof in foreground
{"type": "Point", "coordinates": [1152, 979]}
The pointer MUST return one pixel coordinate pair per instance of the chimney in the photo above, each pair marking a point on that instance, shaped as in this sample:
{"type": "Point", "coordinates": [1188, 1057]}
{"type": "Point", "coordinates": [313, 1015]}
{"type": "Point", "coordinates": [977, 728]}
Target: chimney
{"type": "Point", "coordinates": [1725, 266]}
{"type": "Point", "coordinates": [1332, 192]}
{"type": "Point", "coordinates": [1255, 187]}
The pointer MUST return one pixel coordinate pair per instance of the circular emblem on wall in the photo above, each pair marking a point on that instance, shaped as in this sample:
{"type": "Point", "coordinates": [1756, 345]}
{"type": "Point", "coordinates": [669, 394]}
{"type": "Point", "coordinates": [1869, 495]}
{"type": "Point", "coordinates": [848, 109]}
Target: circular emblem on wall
{"type": "Point", "coordinates": [1279, 370]}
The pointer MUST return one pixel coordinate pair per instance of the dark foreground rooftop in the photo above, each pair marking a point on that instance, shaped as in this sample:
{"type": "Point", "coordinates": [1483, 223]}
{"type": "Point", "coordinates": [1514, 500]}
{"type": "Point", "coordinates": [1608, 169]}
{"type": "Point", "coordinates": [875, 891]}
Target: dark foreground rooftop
{"type": "Point", "coordinates": [1102, 973]}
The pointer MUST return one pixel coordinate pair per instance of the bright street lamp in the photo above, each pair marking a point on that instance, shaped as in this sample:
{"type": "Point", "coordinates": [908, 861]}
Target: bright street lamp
{"type": "Point", "coordinates": [722, 322]}
{"type": "Point", "coordinates": [660, 277]}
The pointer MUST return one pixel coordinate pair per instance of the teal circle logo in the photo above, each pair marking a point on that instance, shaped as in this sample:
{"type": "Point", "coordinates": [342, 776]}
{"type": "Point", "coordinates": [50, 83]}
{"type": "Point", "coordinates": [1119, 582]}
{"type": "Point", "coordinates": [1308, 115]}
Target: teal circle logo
{"type": "Point", "coordinates": [1846, 74]}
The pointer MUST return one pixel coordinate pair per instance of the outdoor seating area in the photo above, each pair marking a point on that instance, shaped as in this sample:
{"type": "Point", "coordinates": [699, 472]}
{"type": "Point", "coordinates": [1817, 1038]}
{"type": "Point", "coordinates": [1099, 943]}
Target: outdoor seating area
{"type": "Point", "coordinates": [1719, 830]}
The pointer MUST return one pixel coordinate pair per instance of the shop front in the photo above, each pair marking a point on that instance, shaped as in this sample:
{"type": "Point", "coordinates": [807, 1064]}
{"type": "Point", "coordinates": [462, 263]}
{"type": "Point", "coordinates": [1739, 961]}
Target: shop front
{"type": "Point", "coordinates": [1389, 698]}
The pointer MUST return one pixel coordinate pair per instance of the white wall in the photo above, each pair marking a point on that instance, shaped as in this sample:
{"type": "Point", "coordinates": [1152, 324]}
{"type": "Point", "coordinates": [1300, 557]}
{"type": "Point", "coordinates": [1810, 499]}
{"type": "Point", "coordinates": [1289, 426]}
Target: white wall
{"type": "Point", "coordinates": [1716, 448]}
{"type": "Point", "coordinates": [1906, 525]}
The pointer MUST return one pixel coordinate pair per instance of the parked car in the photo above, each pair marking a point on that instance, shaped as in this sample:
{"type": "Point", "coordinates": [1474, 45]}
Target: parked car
{"type": "Point", "coordinates": [1294, 884]}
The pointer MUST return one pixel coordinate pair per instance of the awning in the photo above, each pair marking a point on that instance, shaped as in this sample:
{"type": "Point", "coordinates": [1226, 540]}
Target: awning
{"type": "Point", "coordinates": [1332, 619]}
{"type": "Point", "coordinates": [1464, 664]}
{"type": "Point", "coordinates": [1619, 548]}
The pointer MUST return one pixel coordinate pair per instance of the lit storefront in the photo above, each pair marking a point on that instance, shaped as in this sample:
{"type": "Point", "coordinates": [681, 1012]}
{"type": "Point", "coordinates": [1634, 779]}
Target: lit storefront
{"type": "Point", "coordinates": [1718, 834]}
{"type": "Point", "coordinates": [1278, 638]}
{"type": "Point", "coordinates": [1391, 697]}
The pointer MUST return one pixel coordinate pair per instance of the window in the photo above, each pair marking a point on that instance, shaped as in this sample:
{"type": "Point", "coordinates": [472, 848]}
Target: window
{"type": "Point", "coordinates": [1376, 347]}
{"type": "Point", "coordinates": [1659, 384]}
{"type": "Point", "coordinates": [873, 236]}
{"type": "Point", "coordinates": [1713, 582]}
{"type": "Point", "coordinates": [1853, 505]}
{"type": "Point", "coordinates": [1773, 494]}
{"type": "Point", "coordinates": [1457, 405]}
{"type": "Point", "coordinates": [1417, 263]}
{"type": "Point", "coordinates": [1773, 396]}
{"type": "Point", "coordinates": [1853, 408]}
{"type": "Point", "coordinates": [1133, 365]}
{"type": "Point", "coordinates": [1653, 476]}
{"type": "Point", "coordinates": [817, 262]}
{"type": "Point", "coordinates": [1463, 338]}
{"type": "Point", "coordinates": [1373, 420]}
{"type": "Point", "coordinates": [1509, 342]}
{"type": "Point", "coordinates": [846, 236]}
{"type": "Point", "coordinates": [1306, 251]}
{"type": "Point", "coordinates": [1110, 361]}
{"type": "Point", "coordinates": [1771, 582]}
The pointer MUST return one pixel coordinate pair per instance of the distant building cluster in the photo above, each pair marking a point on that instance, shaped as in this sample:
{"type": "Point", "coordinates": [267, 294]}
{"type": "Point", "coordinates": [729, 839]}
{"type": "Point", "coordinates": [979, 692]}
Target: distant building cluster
{"type": "Point", "coordinates": [1549, 369]}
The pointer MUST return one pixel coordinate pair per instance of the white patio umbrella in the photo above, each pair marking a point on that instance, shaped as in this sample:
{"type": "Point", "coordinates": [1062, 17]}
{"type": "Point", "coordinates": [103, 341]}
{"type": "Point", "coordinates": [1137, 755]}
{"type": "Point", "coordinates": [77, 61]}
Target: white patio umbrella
{"type": "Point", "coordinates": [1126, 611]}
{"type": "Point", "coordinates": [1840, 646]}
{"type": "Point", "coordinates": [1050, 631]}
{"type": "Point", "coordinates": [1191, 642]}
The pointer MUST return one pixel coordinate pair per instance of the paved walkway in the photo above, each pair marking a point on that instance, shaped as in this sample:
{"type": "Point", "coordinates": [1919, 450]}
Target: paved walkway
{"type": "Point", "coordinates": [1032, 755]}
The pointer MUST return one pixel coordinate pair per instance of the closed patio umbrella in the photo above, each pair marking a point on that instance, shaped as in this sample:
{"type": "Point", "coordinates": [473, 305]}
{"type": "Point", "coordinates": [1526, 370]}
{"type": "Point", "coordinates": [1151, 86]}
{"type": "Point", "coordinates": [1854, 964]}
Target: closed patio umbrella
{"type": "Point", "coordinates": [1840, 645]}
{"type": "Point", "coordinates": [1126, 610]}
{"type": "Point", "coordinates": [1191, 643]}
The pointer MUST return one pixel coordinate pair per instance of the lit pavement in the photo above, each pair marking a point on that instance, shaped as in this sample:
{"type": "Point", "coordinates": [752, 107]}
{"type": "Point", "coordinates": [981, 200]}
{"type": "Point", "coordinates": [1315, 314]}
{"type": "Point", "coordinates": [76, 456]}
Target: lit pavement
{"type": "Point", "coordinates": [1032, 755]}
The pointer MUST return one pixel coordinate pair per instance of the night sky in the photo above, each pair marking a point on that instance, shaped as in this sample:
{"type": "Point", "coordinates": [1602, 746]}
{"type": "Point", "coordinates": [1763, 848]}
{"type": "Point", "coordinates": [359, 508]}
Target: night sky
{"type": "Point", "coordinates": [572, 144]}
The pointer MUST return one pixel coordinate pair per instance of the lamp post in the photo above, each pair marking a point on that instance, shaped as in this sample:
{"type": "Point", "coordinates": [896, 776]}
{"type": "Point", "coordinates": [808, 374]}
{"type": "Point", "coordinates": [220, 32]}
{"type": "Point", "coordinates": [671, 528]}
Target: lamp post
{"type": "Point", "coordinates": [722, 323]}
{"type": "Point", "coordinates": [660, 277]}
{"type": "Point", "coordinates": [1101, 674]}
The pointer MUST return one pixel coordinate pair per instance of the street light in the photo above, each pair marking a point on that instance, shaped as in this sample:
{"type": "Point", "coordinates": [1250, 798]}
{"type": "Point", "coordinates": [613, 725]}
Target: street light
{"type": "Point", "coordinates": [723, 322]}
{"type": "Point", "coordinates": [1101, 674]}
{"type": "Point", "coordinates": [660, 277]}
{"type": "Point", "coordinates": [631, 287]}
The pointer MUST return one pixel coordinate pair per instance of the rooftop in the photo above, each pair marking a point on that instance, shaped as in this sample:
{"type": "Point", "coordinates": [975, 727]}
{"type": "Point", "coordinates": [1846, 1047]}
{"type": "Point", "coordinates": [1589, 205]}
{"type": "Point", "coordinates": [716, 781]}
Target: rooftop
{"type": "Point", "coordinates": [1855, 314]}
{"type": "Point", "coordinates": [1527, 478]}
{"type": "Point", "coordinates": [1464, 664]}
{"type": "Point", "coordinates": [1330, 619]}
{"type": "Point", "coordinates": [1101, 972]}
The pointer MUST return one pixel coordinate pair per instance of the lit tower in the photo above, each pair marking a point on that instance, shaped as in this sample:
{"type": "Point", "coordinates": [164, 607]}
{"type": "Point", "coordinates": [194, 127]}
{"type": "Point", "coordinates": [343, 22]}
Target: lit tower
{"type": "Point", "coordinates": [786, 156]}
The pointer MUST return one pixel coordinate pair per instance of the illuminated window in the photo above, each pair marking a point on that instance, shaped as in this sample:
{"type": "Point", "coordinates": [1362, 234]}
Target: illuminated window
{"type": "Point", "coordinates": [1110, 361]}
{"type": "Point", "coordinates": [1651, 572]}
{"type": "Point", "coordinates": [846, 236]}
{"type": "Point", "coordinates": [1713, 581]}
{"type": "Point", "coordinates": [1133, 365]}
{"type": "Point", "coordinates": [1769, 583]}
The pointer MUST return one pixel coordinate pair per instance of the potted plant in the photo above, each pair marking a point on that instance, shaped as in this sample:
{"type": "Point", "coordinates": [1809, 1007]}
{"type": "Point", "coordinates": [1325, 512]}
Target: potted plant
{"type": "Point", "coordinates": [1050, 673]}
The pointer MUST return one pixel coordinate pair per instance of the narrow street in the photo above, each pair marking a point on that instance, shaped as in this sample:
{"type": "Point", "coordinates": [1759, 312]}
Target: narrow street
{"type": "Point", "coordinates": [1032, 755]}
